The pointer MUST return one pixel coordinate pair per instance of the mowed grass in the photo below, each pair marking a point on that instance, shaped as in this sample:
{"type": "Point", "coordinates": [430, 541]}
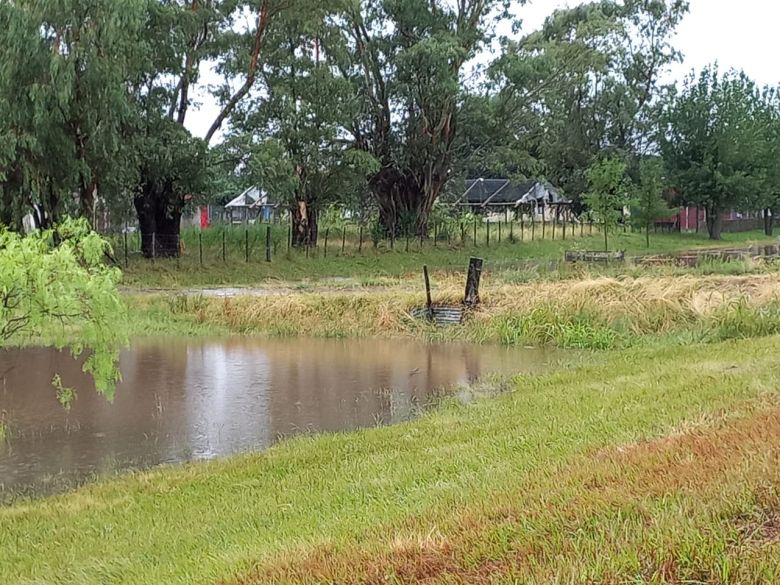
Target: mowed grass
{"type": "Point", "coordinates": [380, 262]}
{"type": "Point", "coordinates": [646, 466]}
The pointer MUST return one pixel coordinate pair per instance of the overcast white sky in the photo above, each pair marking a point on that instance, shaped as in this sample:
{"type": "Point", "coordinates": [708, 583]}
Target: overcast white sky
{"type": "Point", "coordinates": [737, 33]}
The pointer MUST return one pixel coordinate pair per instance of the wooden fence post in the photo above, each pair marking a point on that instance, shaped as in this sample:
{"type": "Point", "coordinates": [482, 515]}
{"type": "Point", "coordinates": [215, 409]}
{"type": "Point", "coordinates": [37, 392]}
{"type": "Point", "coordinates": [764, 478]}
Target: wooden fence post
{"type": "Point", "coordinates": [472, 282]}
{"type": "Point", "coordinates": [268, 243]}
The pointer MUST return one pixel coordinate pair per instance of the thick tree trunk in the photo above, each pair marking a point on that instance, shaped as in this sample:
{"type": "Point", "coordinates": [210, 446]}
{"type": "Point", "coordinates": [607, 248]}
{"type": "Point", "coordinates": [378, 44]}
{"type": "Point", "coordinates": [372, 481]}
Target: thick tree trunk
{"type": "Point", "coordinates": [159, 220]}
{"type": "Point", "coordinates": [405, 202]}
{"type": "Point", "coordinates": [714, 223]}
{"type": "Point", "coordinates": [769, 222]}
{"type": "Point", "coordinates": [304, 224]}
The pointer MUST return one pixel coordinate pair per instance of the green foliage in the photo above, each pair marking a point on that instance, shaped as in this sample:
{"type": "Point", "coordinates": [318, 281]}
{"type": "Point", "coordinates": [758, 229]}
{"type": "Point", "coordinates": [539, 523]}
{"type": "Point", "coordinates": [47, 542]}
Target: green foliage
{"type": "Point", "coordinates": [552, 325]}
{"type": "Point", "coordinates": [649, 205]}
{"type": "Point", "coordinates": [712, 143]}
{"type": "Point", "coordinates": [608, 194]}
{"type": "Point", "coordinates": [56, 284]}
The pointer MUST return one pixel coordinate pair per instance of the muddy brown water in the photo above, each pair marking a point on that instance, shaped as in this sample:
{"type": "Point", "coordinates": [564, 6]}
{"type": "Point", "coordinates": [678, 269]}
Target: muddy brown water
{"type": "Point", "coordinates": [186, 399]}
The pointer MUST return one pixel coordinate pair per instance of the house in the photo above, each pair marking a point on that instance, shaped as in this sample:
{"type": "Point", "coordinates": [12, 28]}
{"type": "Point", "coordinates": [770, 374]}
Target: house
{"type": "Point", "coordinates": [251, 205]}
{"type": "Point", "coordinates": [499, 197]}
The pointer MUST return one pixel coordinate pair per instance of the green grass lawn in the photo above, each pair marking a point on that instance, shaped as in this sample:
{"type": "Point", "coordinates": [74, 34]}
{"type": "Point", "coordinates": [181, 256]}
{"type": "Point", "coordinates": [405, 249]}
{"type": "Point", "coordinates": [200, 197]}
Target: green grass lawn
{"type": "Point", "coordinates": [568, 478]}
{"type": "Point", "coordinates": [371, 263]}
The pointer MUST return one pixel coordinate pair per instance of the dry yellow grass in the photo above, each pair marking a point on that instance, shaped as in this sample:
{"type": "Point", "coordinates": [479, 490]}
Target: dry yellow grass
{"type": "Point", "coordinates": [635, 306]}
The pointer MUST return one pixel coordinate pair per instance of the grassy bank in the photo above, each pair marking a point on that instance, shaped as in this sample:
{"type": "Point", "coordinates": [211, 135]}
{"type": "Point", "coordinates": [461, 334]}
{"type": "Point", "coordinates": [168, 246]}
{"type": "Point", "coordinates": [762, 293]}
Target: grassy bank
{"type": "Point", "coordinates": [371, 263]}
{"type": "Point", "coordinates": [595, 312]}
{"type": "Point", "coordinates": [657, 465]}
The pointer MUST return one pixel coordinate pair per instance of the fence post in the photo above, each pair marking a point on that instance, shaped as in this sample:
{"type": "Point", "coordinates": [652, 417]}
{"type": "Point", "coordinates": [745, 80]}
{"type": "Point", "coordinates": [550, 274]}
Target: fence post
{"type": "Point", "coordinates": [200, 247]}
{"type": "Point", "coordinates": [522, 225]}
{"type": "Point", "coordinates": [544, 221]}
{"type": "Point", "coordinates": [512, 231]}
{"type": "Point", "coordinates": [154, 246]}
{"type": "Point", "coordinates": [462, 234]}
{"type": "Point", "coordinates": [428, 301]}
{"type": "Point", "coordinates": [126, 245]}
{"type": "Point", "coordinates": [475, 231]}
{"type": "Point", "coordinates": [564, 228]}
{"type": "Point", "coordinates": [343, 239]}
{"type": "Point", "coordinates": [392, 237]}
{"type": "Point", "coordinates": [224, 247]}
{"type": "Point", "coordinates": [289, 238]}
{"type": "Point", "coordinates": [327, 233]}
{"type": "Point", "coordinates": [472, 282]}
{"type": "Point", "coordinates": [555, 223]}
{"type": "Point", "coordinates": [533, 226]}
{"type": "Point", "coordinates": [268, 243]}
{"type": "Point", "coordinates": [582, 227]}
{"type": "Point", "coordinates": [360, 240]}
{"type": "Point", "coordinates": [246, 243]}
{"type": "Point", "coordinates": [499, 231]}
{"type": "Point", "coordinates": [407, 240]}
{"type": "Point", "coordinates": [487, 232]}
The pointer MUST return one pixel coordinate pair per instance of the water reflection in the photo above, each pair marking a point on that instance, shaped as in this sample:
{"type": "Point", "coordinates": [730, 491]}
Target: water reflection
{"type": "Point", "coordinates": [184, 399]}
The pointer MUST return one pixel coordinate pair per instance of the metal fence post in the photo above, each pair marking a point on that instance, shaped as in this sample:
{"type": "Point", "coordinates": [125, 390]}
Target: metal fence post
{"type": "Point", "coordinates": [268, 243]}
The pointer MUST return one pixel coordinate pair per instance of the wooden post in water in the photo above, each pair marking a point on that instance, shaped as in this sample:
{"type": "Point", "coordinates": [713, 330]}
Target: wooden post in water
{"type": "Point", "coordinates": [268, 243]}
{"type": "Point", "coordinates": [472, 282]}
{"type": "Point", "coordinates": [428, 301]}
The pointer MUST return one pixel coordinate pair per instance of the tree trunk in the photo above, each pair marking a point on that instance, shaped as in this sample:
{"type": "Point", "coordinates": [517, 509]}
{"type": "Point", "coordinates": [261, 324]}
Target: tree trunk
{"type": "Point", "coordinates": [714, 223]}
{"type": "Point", "coordinates": [304, 224]}
{"type": "Point", "coordinates": [769, 222]}
{"type": "Point", "coordinates": [405, 202]}
{"type": "Point", "coordinates": [159, 220]}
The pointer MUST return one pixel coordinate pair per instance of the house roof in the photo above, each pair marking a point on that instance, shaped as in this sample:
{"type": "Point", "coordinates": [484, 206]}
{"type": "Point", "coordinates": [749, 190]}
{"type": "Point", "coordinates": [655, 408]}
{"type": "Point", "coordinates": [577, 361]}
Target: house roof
{"type": "Point", "coordinates": [249, 198]}
{"type": "Point", "coordinates": [487, 192]}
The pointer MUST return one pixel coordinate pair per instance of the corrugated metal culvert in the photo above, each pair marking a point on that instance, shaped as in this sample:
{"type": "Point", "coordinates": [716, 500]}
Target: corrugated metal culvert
{"type": "Point", "coordinates": [442, 315]}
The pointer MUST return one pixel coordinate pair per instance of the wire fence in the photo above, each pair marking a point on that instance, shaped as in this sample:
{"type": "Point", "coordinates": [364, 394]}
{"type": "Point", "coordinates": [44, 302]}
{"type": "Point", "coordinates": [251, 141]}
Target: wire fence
{"type": "Point", "coordinates": [274, 242]}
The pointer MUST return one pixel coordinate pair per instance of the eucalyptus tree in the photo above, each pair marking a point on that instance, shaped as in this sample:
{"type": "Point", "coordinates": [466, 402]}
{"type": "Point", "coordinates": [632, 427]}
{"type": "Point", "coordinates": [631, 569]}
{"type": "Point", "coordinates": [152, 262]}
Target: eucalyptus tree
{"type": "Point", "coordinates": [405, 59]}
{"type": "Point", "coordinates": [712, 143]}
{"type": "Point", "coordinates": [588, 82]}
{"type": "Point", "coordinates": [294, 132]}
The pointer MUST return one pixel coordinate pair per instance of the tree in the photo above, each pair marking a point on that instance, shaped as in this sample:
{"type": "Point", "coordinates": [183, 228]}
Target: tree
{"type": "Point", "coordinates": [64, 104]}
{"type": "Point", "coordinates": [711, 143]}
{"type": "Point", "coordinates": [294, 133]}
{"type": "Point", "coordinates": [585, 84]}
{"type": "Point", "coordinates": [607, 196]}
{"type": "Point", "coordinates": [650, 206]}
{"type": "Point", "coordinates": [768, 195]}
{"type": "Point", "coordinates": [404, 59]}
{"type": "Point", "coordinates": [57, 281]}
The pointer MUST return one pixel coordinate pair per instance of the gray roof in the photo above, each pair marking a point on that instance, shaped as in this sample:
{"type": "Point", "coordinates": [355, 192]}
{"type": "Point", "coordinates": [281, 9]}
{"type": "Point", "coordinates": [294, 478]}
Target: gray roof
{"type": "Point", "coordinates": [249, 198]}
{"type": "Point", "coordinates": [487, 192]}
